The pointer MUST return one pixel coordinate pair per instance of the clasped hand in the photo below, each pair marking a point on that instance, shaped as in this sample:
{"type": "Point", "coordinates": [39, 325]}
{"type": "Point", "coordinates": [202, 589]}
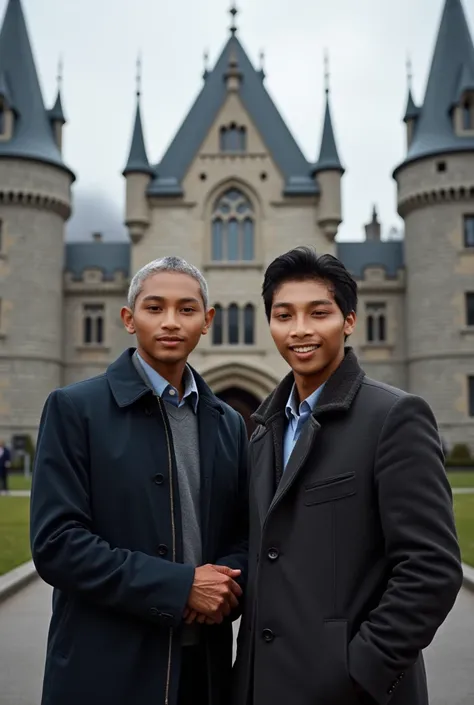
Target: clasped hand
{"type": "Point", "coordinates": [213, 595]}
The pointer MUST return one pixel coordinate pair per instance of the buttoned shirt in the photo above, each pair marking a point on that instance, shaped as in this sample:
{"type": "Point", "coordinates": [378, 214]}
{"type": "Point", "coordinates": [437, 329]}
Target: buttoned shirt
{"type": "Point", "coordinates": [167, 392]}
{"type": "Point", "coordinates": [297, 417]}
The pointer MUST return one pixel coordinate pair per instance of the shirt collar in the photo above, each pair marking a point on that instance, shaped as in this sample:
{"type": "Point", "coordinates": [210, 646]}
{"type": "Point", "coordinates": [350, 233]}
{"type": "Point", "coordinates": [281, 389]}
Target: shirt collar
{"type": "Point", "coordinates": [306, 406]}
{"type": "Point", "coordinates": [167, 392]}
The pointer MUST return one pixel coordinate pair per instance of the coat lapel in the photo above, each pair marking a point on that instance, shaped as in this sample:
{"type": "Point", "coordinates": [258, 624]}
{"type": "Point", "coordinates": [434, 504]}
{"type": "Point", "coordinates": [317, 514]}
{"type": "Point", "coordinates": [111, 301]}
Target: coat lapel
{"type": "Point", "coordinates": [267, 465]}
{"type": "Point", "coordinates": [208, 429]}
{"type": "Point", "coordinates": [298, 458]}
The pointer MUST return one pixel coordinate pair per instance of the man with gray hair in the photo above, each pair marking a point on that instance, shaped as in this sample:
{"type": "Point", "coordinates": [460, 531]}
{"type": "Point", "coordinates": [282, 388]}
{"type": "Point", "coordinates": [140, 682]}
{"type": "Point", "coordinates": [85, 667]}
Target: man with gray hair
{"type": "Point", "coordinates": [139, 514]}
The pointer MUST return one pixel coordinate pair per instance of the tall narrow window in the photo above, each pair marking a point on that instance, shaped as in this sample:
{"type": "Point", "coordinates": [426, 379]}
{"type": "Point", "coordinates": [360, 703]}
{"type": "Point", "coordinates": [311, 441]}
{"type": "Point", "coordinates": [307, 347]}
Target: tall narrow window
{"type": "Point", "coordinates": [2, 119]}
{"type": "Point", "coordinates": [376, 322]}
{"type": "Point", "coordinates": [217, 240]}
{"type": "Point", "coordinates": [217, 326]}
{"type": "Point", "coordinates": [233, 324]}
{"type": "Point", "coordinates": [1, 236]}
{"type": "Point", "coordinates": [249, 324]}
{"type": "Point", "coordinates": [370, 329]}
{"type": "Point", "coordinates": [471, 395]}
{"type": "Point", "coordinates": [469, 231]}
{"type": "Point", "coordinates": [233, 138]}
{"type": "Point", "coordinates": [470, 308]}
{"type": "Point", "coordinates": [233, 228]}
{"type": "Point", "coordinates": [467, 113]}
{"type": "Point", "coordinates": [93, 324]}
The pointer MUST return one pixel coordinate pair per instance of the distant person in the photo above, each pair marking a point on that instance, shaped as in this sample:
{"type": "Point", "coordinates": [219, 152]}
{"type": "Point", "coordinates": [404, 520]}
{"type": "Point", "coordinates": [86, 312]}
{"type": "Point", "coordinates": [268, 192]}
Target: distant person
{"type": "Point", "coordinates": [139, 514]}
{"type": "Point", "coordinates": [5, 464]}
{"type": "Point", "coordinates": [353, 557]}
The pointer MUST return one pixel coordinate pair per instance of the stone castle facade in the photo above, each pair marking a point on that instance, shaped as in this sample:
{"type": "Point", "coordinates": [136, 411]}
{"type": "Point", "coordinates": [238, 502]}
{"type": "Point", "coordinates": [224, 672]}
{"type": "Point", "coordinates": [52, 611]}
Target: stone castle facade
{"type": "Point", "coordinates": [232, 192]}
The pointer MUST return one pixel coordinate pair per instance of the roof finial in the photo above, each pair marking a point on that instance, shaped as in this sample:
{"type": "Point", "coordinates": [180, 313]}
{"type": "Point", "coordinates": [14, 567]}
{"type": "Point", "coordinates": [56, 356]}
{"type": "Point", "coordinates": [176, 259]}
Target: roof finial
{"type": "Point", "coordinates": [233, 12]}
{"type": "Point", "coordinates": [139, 75]}
{"type": "Point", "coordinates": [409, 73]}
{"type": "Point", "coordinates": [326, 71]}
{"type": "Point", "coordinates": [60, 73]}
{"type": "Point", "coordinates": [261, 56]}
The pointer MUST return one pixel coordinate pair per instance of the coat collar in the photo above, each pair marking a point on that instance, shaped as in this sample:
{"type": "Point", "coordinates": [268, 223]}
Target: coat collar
{"type": "Point", "coordinates": [337, 395]}
{"type": "Point", "coordinates": [128, 386]}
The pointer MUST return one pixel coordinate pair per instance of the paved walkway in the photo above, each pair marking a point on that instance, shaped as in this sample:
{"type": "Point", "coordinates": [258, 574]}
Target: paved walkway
{"type": "Point", "coordinates": [24, 623]}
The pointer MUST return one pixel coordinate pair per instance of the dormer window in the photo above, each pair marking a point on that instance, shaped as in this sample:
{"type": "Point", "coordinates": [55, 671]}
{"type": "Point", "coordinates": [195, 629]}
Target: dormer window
{"type": "Point", "coordinates": [3, 118]}
{"type": "Point", "coordinates": [468, 114]}
{"type": "Point", "coordinates": [233, 138]}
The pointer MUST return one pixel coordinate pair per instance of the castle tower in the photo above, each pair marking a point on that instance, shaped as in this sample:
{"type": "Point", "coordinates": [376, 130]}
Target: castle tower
{"type": "Point", "coordinates": [329, 172]}
{"type": "Point", "coordinates": [436, 200]}
{"type": "Point", "coordinates": [137, 175]}
{"type": "Point", "coordinates": [34, 205]}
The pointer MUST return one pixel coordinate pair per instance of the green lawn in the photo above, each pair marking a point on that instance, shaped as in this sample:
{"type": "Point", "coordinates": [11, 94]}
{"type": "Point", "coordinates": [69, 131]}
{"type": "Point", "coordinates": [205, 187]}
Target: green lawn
{"type": "Point", "coordinates": [14, 532]}
{"type": "Point", "coordinates": [464, 511]}
{"type": "Point", "coordinates": [19, 482]}
{"type": "Point", "coordinates": [461, 479]}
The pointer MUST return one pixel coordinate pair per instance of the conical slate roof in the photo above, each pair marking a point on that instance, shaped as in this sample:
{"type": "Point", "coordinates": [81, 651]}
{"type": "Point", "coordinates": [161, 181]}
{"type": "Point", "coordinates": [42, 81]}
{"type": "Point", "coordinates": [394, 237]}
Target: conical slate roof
{"type": "Point", "coordinates": [137, 158]}
{"type": "Point", "coordinates": [56, 113]}
{"type": "Point", "coordinates": [412, 110]}
{"type": "Point", "coordinates": [453, 57]}
{"type": "Point", "coordinates": [328, 156]}
{"type": "Point", "coordinates": [32, 134]}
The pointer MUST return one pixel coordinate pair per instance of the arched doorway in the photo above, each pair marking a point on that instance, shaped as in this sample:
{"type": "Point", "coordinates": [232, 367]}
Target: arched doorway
{"type": "Point", "coordinates": [242, 401]}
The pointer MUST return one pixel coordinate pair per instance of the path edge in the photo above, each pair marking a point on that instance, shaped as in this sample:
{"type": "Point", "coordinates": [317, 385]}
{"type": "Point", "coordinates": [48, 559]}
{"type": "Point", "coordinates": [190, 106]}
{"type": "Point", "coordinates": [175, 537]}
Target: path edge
{"type": "Point", "coordinates": [16, 580]}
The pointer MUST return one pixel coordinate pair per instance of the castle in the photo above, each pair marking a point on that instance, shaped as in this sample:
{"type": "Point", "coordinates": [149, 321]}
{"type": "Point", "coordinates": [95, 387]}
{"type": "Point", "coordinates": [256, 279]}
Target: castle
{"type": "Point", "coordinates": [233, 191]}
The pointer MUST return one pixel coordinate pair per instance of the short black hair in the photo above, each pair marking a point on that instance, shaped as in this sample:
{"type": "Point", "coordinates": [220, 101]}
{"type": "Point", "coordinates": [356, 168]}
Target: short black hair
{"type": "Point", "coordinates": [304, 263]}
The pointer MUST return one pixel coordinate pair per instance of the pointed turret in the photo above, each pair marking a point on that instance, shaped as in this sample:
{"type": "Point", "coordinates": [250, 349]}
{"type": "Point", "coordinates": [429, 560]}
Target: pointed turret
{"type": "Point", "coordinates": [328, 154]}
{"type": "Point", "coordinates": [137, 158]}
{"type": "Point", "coordinates": [328, 171]}
{"type": "Point", "coordinates": [439, 121]}
{"type": "Point", "coordinates": [137, 175]}
{"type": "Point", "coordinates": [412, 111]}
{"type": "Point", "coordinates": [31, 136]}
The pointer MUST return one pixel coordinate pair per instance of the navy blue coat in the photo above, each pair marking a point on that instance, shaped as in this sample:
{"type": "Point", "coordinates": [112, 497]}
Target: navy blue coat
{"type": "Point", "coordinates": [106, 533]}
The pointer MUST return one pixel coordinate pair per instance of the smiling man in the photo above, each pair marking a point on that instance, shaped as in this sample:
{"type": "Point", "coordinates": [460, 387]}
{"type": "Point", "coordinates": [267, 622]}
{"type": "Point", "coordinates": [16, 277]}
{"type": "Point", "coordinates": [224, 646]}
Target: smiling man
{"type": "Point", "coordinates": [139, 514]}
{"type": "Point", "coordinates": [353, 556]}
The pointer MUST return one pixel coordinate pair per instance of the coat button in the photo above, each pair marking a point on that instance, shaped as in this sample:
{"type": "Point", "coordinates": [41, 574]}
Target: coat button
{"type": "Point", "coordinates": [268, 635]}
{"type": "Point", "coordinates": [159, 479]}
{"type": "Point", "coordinates": [273, 554]}
{"type": "Point", "coordinates": [154, 611]}
{"type": "Point", "coordinates": [162, 549]}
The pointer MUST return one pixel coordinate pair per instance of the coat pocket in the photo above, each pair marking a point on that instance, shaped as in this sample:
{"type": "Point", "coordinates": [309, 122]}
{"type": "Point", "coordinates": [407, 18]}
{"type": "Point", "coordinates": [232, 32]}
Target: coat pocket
{"type": "Point", "coordinates": [330, 489]}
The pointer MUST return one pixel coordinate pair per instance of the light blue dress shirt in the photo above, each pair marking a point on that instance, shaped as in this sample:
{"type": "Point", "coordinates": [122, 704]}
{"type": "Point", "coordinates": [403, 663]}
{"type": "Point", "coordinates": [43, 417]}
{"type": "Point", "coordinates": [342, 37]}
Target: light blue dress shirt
{"type": "Point", "coordinates": [297, 418]}
{"type": "Point", "coordinates": [167, 392]}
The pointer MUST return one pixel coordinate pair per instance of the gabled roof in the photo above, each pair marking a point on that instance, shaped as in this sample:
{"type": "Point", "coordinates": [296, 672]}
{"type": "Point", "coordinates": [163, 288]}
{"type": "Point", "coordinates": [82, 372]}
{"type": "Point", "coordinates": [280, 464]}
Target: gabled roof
{"type": "Point", "coordinates": [32, 134]}
{"type": "Point", "coordinates": [109, 257]}
{"type": "Point", "coordinates": [453, 55]}
{"type": "Point", "coordinates": [328, 156]}
{"type": "Point", "coordinates": [282, 146]}
{"type": "Point", "coordinates": [357, 256]}
{"type": "Point", "coordinates": [137, 158]}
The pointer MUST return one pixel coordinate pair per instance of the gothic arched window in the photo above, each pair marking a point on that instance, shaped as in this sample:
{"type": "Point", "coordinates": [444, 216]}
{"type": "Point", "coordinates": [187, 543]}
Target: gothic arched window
{"type": "Point", "coordinates": [233, 228]}
{"type": "Point", "coordinates": [233, 138]}
{"type": "Point", "coordinates": [93, 324]}
{"type": "Point", "coordinates": [249, 324]}
{"type": "Point", "coordinates": [233, 324]}
{"type": "Point", "coordinates": [376, 322]}
{"type": "Point", "coordinates": [217, 326]}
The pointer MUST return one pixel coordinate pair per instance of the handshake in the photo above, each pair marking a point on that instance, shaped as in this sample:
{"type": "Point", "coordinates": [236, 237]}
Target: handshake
{"type": "Point", "coordinates": [213, 595]}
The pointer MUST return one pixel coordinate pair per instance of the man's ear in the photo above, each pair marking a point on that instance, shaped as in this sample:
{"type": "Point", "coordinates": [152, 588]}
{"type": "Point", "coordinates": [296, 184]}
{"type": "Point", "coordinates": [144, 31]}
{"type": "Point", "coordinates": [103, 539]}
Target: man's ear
{"type": "Point", "coordinates": [350, 323]}
{"type": "Point", "coordinates": [209, 318]}
{"type": "Point", "coordinates": [127, 317]}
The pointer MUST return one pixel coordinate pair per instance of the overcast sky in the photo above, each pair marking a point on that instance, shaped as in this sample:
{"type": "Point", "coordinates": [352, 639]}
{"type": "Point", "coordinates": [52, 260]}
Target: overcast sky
{"type": "Point", "coordinates": [368, 42]}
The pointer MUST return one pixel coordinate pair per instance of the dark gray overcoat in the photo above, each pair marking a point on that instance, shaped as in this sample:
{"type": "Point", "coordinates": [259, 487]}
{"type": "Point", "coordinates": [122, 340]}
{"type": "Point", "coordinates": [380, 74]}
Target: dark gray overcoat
{"type": "Point", "coordinates": [353, 555]}
{"type": "Point", "coordinates": [106, 533]}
